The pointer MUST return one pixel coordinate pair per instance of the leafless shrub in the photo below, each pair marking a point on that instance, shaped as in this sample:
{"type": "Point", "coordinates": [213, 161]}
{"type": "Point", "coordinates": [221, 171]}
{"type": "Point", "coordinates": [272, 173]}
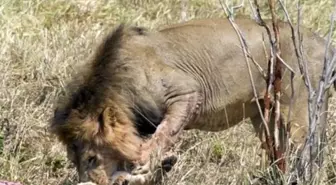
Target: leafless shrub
{"type": "Point", "coordinates": [311, 158]}
{"type": "Point", "coordinates": [275, 154]}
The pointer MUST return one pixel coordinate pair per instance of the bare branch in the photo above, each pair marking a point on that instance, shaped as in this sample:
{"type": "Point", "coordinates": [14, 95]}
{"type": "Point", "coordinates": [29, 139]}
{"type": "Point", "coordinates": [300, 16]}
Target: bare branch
{"type": "Point", "coordinates": [275, 77]}
{"type": "Point", "coordinates": [333, 78]}
{"type": "Point", "coordinates": [294, 36]}
{"type": "Point", "coordinates": [244, 43]}
{"type": "Point", "coordinates": [277, 85]}
{"type": "Point", "coordinates": [184, 9]}
{"type": "Point", "coordinates": [274, 153]}
{"type": "Point", "coordinates": [246, 54]}
{"type": "Point", "coordinates": [239, 5]}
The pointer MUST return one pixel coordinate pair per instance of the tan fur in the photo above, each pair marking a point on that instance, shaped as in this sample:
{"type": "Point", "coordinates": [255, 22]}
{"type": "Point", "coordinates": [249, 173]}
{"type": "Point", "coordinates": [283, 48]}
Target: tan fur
{"type": "Point", "coordinates": [186, 76]}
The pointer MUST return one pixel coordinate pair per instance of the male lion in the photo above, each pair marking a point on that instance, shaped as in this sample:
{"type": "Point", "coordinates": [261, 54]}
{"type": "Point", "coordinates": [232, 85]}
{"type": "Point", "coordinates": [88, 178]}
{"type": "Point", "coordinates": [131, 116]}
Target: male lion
{"type": "Point", "coordinates": [144, 87]}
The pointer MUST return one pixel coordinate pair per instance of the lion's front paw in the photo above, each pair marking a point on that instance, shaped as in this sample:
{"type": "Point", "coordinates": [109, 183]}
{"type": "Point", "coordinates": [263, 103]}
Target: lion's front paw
{"type": "Point", "coordinates": [125, 178]}
{"type": "Point", "coordinates": [147, 173]}
{"type": "Point", "coordinates": [155, 167]}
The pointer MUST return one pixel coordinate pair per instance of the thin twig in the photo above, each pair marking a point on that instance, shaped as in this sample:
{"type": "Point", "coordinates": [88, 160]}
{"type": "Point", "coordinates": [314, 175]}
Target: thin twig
{"type": "Point", "coordinates": [249, 55]}
{"type": "Point", "coordinates": [297, 52]}
{"type": "Point", "coordinates": [184, 9]}
{"type": "Point", "coordinates": [285, 64]}
{"type": "Point", "coordinates": [272, 77]}
{"type": "Point", "coordinates": [246, 54]}
{"type": "Point", "coordinates": [277, 86]}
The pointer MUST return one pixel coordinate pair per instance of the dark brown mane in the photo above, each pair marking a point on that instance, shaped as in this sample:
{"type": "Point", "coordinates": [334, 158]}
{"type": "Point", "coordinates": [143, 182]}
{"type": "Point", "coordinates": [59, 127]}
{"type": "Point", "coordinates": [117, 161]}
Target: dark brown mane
{"type": "Point", "coordinates": [94, 91]}
{"type": "Point", "coordinates": [105, 83]}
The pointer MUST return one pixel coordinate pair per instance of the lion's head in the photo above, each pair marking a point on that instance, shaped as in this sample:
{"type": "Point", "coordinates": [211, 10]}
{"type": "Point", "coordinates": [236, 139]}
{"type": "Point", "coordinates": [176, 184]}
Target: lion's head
{"type": "Point", "coordinates": [99, 142]}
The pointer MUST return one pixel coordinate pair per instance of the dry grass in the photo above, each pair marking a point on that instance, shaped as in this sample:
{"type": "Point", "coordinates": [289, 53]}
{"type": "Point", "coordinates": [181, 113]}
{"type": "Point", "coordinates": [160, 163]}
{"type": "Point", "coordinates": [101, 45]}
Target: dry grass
{"type": "Point", "coordinates": [41, 43]}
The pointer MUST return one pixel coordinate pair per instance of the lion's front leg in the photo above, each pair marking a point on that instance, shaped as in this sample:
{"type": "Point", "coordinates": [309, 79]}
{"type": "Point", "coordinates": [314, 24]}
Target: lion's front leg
{"type": "Point", "coordinates": [180, 113]}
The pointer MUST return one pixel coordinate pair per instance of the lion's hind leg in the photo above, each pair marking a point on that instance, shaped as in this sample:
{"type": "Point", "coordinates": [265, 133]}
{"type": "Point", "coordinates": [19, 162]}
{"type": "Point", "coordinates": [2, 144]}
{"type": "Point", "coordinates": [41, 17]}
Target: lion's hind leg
{"type": "Point", "coordinates": [292, 132]}
{"type": "Point", "coordinates": [282, 137]}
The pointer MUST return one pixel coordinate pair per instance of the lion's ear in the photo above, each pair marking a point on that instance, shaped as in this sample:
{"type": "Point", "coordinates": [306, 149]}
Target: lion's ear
{"type": "Point", "coordinates": [106, 122]}
{"type": "Point", "coordinates": [107, 118]}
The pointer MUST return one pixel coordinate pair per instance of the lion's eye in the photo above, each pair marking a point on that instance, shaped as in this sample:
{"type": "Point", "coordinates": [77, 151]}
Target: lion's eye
{"type": "Point", "coordinates": [92, 160]}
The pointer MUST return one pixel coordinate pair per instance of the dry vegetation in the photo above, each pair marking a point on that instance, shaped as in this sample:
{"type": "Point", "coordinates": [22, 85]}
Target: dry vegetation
{"type": "Point", "coordinates": [43, 41]}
